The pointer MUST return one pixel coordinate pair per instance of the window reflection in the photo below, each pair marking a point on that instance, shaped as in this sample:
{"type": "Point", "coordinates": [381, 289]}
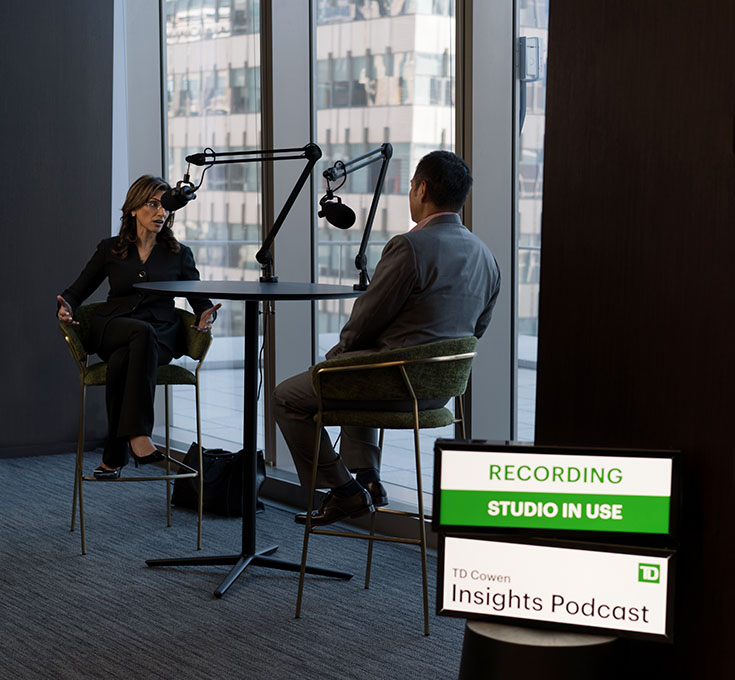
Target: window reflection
{"type": "Point", "coordinates": [374, 85]}
{"type": "Point", "coordinates": [533, 21]}
{"type": "Point", "coordinates": [213, 89]}
{"type": "Point", "coordinates": [213, 100]}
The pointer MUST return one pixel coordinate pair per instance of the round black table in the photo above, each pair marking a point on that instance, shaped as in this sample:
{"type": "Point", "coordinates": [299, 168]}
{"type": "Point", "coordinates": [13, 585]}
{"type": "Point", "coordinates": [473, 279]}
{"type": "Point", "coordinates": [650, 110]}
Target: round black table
{"type": "Point", "coordinates": [252, 293]}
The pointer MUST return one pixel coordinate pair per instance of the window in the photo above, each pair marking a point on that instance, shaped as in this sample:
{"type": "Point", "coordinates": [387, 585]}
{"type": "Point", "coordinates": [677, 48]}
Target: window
{"type": "Point", "coordinates": [534, 15]}
{"type": "Point", "coordinates": [213, 83]}
{"type": "Point", "coordinates": [383, 72]}
{"type": "Point", "coordinates": [374, 85]}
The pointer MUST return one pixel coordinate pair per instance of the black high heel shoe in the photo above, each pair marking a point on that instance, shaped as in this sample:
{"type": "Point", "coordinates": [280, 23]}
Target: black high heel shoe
{"type": "Point", "coordinates": [154, 457]}
{"type": "Point", "coordinates": [103, 473]}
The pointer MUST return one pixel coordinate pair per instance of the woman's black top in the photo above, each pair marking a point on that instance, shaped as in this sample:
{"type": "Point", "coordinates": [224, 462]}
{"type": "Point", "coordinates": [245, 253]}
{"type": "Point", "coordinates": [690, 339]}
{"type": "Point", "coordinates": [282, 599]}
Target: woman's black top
{"type": "Point", "coordinates": [124, 300]}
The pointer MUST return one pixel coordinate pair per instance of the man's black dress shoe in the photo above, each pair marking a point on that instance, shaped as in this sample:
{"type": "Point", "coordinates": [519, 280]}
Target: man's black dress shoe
{"type": "Point", "coordinates": [334, 508]}
{"type": "Point", "coordinates": [377, 493]}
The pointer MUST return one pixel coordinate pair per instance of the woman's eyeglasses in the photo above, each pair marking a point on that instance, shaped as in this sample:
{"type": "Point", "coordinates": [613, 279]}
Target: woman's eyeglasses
{"type": "Point", "coordinates": [154, 205]}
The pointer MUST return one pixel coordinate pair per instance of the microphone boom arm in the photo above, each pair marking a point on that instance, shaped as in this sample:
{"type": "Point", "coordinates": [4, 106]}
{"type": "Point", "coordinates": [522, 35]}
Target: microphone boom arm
{"type": "Point", "coordinates": [311, 152]}
{"type": "Point", "coordinates": [339, 170]}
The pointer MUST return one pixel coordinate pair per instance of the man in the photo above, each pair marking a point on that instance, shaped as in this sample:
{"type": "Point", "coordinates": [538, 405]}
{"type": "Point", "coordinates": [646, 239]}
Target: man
{"type": "Point", "coordinates": [436, 282]}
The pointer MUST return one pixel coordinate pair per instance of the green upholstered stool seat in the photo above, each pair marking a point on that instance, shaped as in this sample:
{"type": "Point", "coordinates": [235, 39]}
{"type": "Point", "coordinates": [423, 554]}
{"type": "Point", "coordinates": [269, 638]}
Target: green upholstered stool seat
{"type": "Point", "coordinates": [389, 420]}
{"type": "Point", "coordinates": [95, 375]}
{"type": "Point", "coordinates": [169, 374]}
{"type": "Point", "coordinates": [172, 374]}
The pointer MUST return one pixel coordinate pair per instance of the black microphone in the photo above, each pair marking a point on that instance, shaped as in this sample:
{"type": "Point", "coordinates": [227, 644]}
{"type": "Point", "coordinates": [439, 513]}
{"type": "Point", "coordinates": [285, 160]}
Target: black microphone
{"type": "Point", "coordinates": [198, 159]}
{"type": "Point", "coordinates": [336, 213]}
{"type": "Point", "coordinates": [179, 196]}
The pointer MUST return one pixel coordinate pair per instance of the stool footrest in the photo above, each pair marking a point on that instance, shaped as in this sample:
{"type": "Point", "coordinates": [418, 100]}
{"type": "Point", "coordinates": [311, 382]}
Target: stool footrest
{"type": "Point", "coordinates": [403, 513]}
{"type": "Point", "coordinates": [347, 534]}
{"type": "Point", "coordinates": [155, 478]}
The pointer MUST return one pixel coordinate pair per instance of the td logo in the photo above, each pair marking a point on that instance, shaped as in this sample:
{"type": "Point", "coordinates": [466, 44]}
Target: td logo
{"type": "Point", "coordinates": [649, 573]}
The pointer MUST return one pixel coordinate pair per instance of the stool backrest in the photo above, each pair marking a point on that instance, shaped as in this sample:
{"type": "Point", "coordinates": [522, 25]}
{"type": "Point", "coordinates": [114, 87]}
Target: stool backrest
{"type": "Point", "coordinates": [197, 343]}
{"type": "Point", "coordinates": [435, 370]}
{"type": "Point", "coordinates": [78, 337]}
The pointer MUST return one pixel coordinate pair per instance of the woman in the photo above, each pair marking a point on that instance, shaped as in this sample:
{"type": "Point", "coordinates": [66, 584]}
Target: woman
{"type": "Point", "coordinates": [135, 331]}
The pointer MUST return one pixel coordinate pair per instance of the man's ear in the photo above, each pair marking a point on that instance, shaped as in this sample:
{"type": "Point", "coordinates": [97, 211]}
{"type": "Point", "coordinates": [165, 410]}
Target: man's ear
{"type": "Point", "coordinates": [422, 193]}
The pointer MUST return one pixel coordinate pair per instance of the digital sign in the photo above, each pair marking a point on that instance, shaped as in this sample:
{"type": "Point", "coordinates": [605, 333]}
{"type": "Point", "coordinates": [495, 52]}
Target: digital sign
{"type": "Point", "coordinates": [531, 488]}
{"type": "Point", "coordinates": [592, 587]}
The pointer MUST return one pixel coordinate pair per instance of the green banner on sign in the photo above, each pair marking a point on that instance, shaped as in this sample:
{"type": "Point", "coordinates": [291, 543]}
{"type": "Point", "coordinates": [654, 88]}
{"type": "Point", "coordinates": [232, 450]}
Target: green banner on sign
{"type": "Point", "coordinates": [586, 512]}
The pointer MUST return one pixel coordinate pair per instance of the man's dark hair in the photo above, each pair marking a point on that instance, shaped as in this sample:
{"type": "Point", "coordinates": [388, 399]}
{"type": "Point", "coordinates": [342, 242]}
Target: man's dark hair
{"type": "Point", "coordinates": [448, 179]}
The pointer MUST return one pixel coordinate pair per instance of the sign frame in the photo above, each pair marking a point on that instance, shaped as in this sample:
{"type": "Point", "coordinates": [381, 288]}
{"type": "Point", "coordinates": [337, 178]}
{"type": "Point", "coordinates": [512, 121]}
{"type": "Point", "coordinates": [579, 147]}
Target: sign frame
{"type": "Point", "coordinates": [670, 555]}
{"type": "Point", "coordinates": [657, 540]}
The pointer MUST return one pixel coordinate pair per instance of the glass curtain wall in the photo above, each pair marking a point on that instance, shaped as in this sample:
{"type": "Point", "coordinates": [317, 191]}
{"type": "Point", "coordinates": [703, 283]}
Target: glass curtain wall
{"type": "Point", "coordinates": [212, 57]}
{"type": "Point", "coordinates": [384, 73]}
{"type": "Point", "coordinates": [533, 23]}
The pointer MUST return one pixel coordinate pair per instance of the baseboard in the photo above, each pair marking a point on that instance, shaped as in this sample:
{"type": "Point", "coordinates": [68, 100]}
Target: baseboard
{"type": "Point", "coordinates": [47, 449]}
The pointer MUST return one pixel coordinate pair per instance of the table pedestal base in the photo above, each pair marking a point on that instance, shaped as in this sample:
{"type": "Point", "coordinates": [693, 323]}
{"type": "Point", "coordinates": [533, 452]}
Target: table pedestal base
{"type": "Point", "coordinates": [252, 294]}
{"type": "Point", "coordinates": [242, 562]}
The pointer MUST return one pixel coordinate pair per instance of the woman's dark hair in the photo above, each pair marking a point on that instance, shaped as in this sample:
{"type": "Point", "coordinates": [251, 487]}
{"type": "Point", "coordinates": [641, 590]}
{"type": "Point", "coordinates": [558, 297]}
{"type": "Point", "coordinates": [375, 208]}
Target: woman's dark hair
{"type": "Point", "coordinates": [141, 191]}
{"type": "Point", "coordinates": [448, 179]}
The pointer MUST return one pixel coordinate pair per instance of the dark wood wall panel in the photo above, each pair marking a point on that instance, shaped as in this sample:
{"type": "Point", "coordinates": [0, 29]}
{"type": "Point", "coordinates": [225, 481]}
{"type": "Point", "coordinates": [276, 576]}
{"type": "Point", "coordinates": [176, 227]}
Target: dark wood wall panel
{"type": "Point", "coordinates": [636, 327]}
{"type": "Point", "coordinates": [56, 127]}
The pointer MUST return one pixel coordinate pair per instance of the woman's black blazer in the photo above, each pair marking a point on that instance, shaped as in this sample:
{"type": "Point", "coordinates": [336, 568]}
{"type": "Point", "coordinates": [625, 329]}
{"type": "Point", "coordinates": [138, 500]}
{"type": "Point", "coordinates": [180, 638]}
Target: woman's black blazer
{"type": "Point", "coordinates": [124, 300]}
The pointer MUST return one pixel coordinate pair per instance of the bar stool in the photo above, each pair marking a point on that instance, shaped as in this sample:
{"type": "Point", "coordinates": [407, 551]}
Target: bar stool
{"type": "Point", "coordinates": [434, 371]}
{"type": "Point", "coordinates": [197, 345]}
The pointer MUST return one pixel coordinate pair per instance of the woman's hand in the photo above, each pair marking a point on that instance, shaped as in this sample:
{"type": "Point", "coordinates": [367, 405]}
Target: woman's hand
{"type": "Point", "coordinates": [206, 320]}
{"type": "Point", "coordinates": [65, 312]}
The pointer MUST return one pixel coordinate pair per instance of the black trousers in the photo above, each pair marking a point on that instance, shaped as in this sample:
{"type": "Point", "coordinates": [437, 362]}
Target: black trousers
{"type": "Point", "coordinates": [132, 352]}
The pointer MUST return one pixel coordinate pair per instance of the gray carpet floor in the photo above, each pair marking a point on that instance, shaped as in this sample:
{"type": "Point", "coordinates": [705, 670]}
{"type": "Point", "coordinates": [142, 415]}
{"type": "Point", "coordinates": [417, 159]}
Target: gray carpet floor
{"type": "Point", "coordinates": [107, 615]}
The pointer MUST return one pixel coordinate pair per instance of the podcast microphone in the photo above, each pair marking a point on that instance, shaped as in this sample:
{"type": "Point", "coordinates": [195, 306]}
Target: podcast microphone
{"type": "Point", "coordinates": [336, 213]}
{"type": "Point", "coordinates": [197, 159]}
{"type": "Point", "coordinates": [179, 196]}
